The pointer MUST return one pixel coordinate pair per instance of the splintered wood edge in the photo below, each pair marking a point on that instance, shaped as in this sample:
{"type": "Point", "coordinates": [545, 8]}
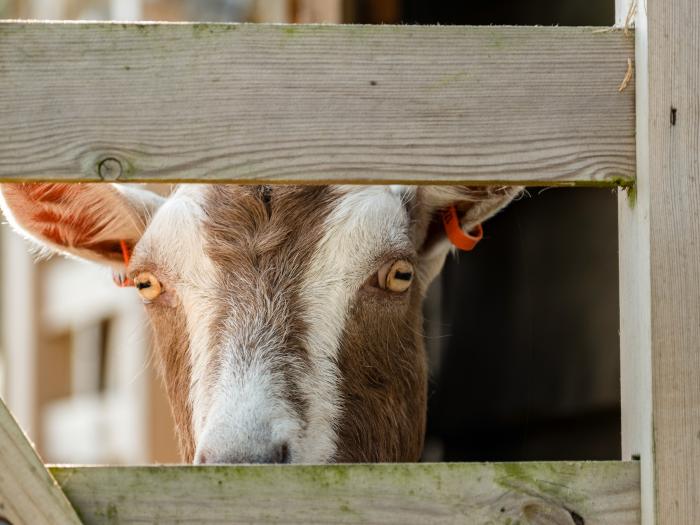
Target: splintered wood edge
{"type": "Point", "coordinates": [28, 492]}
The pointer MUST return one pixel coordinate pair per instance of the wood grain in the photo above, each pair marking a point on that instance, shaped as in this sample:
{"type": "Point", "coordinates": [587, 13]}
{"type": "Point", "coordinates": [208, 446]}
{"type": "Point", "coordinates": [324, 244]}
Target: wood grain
{"type": "Point", "coordinates": [562, 493]}
{"type": "Point", "coordinates": [28, 493]}
{"type": "Point", "coordinates": [660, 266]}
{"type": "Point", "coordinates": [318, 103]}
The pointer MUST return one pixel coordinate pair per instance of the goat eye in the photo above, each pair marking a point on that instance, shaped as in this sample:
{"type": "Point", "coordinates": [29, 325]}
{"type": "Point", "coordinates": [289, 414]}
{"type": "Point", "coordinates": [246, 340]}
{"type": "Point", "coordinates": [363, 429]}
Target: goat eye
{"type": "Point", "coordinates": [148, 286]}
{"type": "Point", "coordinates": [396, 276]}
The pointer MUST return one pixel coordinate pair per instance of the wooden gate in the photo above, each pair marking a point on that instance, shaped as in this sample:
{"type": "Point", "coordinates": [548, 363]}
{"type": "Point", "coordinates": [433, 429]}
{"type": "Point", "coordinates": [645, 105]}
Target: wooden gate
{"type": "Point", "coordinates": [390, 104]}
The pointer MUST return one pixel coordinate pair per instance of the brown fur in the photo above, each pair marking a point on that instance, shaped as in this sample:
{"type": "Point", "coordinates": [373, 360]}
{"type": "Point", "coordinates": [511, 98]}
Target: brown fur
{"type": "Point", "coordinates": [384, 380]}
{"type": "Point", "coordinates": [262, 240]}
{"type": "Point", "coordinates": [172, 346]}
{"type": "Point", "coordinates": [383, 365]}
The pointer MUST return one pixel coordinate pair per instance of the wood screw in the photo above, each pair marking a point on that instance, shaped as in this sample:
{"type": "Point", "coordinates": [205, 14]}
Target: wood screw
{"type": "Point", "coordinates": [109, 169]}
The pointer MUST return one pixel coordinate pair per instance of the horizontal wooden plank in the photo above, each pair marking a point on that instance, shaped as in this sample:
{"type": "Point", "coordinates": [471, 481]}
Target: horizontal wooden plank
{"type": "Point", "coordinates": [315, 103]}
{"type": "Point", "coordinates": [505, 493]}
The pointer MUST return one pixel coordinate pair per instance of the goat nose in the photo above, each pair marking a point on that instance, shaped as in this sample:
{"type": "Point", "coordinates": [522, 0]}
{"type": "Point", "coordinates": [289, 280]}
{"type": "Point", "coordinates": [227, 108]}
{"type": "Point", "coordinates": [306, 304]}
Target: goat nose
{"type": "Point", "coordinates": [278, 453]}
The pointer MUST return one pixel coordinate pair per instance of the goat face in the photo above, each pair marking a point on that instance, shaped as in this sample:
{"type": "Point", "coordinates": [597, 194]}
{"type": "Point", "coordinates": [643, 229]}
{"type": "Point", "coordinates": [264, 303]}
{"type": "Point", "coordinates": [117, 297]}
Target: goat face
{"type": "Point", "coordinates": [287, 320]}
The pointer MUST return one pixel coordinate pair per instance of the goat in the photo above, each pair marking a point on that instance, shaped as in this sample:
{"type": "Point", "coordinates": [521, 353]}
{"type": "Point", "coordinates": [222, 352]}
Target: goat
{"type": "Point", "coordinates": [287, 319]}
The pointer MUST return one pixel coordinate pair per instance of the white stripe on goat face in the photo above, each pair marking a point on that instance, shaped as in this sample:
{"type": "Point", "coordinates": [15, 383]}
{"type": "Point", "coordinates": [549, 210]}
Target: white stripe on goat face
{"type": "Point", "coordinates": [364, 223]}
{"type": "Point", "coordinates": [174, 246]}
{"type": "Point", "coordinates": [240, 410]}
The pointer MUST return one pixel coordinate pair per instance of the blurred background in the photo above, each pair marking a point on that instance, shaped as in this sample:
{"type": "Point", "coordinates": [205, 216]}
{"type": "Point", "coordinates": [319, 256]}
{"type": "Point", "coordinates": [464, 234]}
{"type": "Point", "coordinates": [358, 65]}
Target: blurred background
{"type": "Point", "coordinates": [522, 335]}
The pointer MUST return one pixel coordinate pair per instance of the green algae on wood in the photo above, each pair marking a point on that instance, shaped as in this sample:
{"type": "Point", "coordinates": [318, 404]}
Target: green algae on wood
{"type": "Point", "coordinates": [392, 493]}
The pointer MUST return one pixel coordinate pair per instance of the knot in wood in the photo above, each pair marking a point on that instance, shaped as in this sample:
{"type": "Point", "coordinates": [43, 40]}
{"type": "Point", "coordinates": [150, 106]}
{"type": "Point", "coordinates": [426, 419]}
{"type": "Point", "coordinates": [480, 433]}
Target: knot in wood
{"type": "Point", "coordinates": [109, 169]}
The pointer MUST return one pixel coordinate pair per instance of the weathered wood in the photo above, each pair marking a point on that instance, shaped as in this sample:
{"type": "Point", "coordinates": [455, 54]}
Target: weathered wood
{"type": "Point", "coordinates": [316, 103]}
{"type": "Point", "coordinates": [562, 493]}
{"type": "Point", "coordinates": [660, 266]}
{"type": "Point", "coordinates": [28, 493]}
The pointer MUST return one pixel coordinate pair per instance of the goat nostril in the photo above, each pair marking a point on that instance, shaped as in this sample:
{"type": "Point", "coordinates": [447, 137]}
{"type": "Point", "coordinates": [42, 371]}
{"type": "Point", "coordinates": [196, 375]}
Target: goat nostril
{"type": "Point", "coordinates": [283, 454]}
{"type": "Point", "coordinates": [278, 453]}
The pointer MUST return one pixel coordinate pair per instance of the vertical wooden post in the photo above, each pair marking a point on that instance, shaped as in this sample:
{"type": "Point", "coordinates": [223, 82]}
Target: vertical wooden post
{"type": "Point", "coordinates": [622, 8]}
{"type": "Point", "coordinates": [659, 225]}
{"type": "Point", "coordinates": [19, 327]}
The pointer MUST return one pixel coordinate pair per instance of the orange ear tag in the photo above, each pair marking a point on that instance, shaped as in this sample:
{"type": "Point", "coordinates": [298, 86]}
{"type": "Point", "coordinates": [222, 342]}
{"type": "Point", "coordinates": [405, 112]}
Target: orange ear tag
{"type": "Point", "coordinates": [461, 240]}
{"type": "Point", "coordinates": [121, 280]}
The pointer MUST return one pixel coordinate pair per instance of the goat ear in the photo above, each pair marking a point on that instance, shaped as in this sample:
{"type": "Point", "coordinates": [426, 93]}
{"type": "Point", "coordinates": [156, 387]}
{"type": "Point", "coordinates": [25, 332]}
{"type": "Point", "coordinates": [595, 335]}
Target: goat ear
{"type": "Point", "coordinates": [474, 205]}
{"type": "Point", "coordinates": [84, 220]}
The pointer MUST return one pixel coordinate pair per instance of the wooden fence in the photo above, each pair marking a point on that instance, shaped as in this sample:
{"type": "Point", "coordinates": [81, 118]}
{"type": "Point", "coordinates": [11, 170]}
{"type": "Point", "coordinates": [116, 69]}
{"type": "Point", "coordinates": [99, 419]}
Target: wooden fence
{"type": "Point", "coordinates": [361, 104]}
{"type": "Point", "coordinates": [318, 103]}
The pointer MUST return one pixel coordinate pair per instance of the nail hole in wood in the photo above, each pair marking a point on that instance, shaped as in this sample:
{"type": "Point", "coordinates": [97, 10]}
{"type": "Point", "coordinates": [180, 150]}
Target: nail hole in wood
{"type": "Point", "coordinates": [110, 169]}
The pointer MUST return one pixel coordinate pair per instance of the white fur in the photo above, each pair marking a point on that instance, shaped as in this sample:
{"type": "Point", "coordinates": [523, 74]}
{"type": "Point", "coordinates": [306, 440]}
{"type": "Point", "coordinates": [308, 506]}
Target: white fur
{"type": "Point", "coordinates": [248, 416]}
{"type": "Point", "coordinates": [366, 223]}
{"type": "Point", "coordinates": [175, 239]}
{"type": "Point", "coordinates": [238, 405]}
{"type": "Point", "coordinates": [229, 409]}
